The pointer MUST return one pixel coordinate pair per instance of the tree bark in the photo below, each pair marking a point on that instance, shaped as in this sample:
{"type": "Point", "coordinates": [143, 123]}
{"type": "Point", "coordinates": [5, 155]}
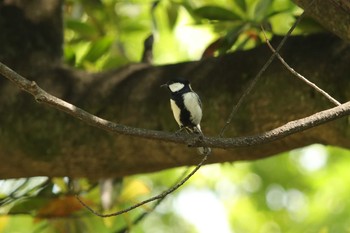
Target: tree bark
{"type": "Point", "coordinates": [38, 140]}
{"type": "Point", "coordinates": [31, 35]}
{"type": "Point", "coordinates": [334, 15]}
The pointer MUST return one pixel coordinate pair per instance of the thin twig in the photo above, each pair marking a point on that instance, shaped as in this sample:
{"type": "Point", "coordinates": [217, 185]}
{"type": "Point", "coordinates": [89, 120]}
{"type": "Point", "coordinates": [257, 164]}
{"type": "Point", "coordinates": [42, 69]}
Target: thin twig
{"type": "Point", "coordinates": [160, 196]}
{"type": "Point", "coordinates": [311, 84]}
{"type": "Point", "coordinates": [145, 214]}
{"type": "Point", "coordinates": [258, 75]}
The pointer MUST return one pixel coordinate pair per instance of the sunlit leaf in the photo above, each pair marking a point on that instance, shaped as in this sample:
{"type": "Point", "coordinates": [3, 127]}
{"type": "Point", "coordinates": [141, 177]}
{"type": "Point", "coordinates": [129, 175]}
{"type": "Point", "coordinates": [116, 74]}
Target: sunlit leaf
{"type": "Point", "coordinates": [60, 183]}
{"type": "Point", "coordinates": [98, 48]}
{"type": "Point", "coordinates": [3, 222]}
{"type": "Point", "coordinates": [216, 13]}
{"type": "Point", "coordinates": [133, 189]}
{"type": "Point", "coordinates": [155, 4]}
{"type": "Point", "coordinates": [172, 12]}
{"type": "Point", "coordinates": [261, 9]}
{"type": "Point", "coordinates": [281, 23]}
{"type": "Point", "coordinates": [81, 28]}
{"type": "Point", "coordinates": [190, 9]}
{"type": "Point", "coordinates": [109, 62]}
{"type": "Point", "coordinates": [274, 13]}
{"type": "Point", "coordinates": [247, 40]}
{"type": "Point", "coordinates": [231, 38]}
{"type": "Point", "coordinates": [82, 49]}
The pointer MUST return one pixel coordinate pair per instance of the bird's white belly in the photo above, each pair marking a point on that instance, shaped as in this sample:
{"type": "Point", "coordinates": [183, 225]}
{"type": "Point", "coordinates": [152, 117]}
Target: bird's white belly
{"type": "Point", "coordinates": [192, 104]}
{"type": "Point", "coordinates": [176, 111]}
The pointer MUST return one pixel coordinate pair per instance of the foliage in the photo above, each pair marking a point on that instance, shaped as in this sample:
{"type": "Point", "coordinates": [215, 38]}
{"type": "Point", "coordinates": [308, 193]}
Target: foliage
{"type": "Point", "coordinates": [304, 190]}
{"type": "Point", "coordinates": [239, 25]}
{"type": "Point", "coordinates": [106, 34]}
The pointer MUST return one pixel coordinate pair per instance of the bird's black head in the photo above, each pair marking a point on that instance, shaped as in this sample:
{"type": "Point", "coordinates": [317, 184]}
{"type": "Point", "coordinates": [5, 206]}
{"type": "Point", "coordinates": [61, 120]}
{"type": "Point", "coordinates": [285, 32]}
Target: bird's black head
{"type": "Point", "coordinates": [178, 85]}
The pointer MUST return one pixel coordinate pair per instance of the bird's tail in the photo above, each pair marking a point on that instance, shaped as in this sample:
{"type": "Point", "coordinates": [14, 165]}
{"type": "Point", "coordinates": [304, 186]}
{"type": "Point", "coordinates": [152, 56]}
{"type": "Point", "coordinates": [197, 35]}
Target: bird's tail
{"type": "Point", "coordinates": [201, 150]}
{"type": "Point", "coordinates": [204, 150]}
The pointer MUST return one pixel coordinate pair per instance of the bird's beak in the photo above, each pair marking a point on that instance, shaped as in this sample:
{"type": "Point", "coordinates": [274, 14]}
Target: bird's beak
{"type": "Point", "coordinates": [164, 85]}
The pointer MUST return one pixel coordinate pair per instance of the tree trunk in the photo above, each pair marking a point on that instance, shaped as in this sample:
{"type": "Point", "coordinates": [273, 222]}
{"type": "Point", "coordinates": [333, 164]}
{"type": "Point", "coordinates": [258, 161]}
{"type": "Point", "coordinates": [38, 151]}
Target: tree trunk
{"type": "Point", "coordinates": [38, 140]}
{"type": "Point", "coordinates": [31, 35]}
{"type": "Point", "coordinates": [334, 15]}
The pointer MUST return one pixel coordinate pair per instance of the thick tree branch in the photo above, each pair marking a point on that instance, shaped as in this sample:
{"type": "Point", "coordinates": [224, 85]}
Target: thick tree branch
{"type": "Point", "coordinates": [39, 140]}
{"type": "Point", "coordinates": [214, 142]}
{"type": "Point", "coordinates": [334, 15]}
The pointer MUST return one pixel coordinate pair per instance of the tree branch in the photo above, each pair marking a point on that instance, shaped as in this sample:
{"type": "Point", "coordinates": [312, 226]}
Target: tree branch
{"type": "Point", "coordinates": [296, 74]}
{"type": "Point", "coordinates": [39, 140]}
{"type": "Point", "coordinates": [334, 15]}
{"type": "Point", "coordinates": [258, 75]}
{"type": "Point", "coordinates": [154, 198]}
{"type": "Point", "coordinates": [290, 128]}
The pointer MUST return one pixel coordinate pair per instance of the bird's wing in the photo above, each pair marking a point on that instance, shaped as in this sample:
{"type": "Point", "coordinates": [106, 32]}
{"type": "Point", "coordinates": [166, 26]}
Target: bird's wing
{"type": "Point", "coordinates": [198, 99]}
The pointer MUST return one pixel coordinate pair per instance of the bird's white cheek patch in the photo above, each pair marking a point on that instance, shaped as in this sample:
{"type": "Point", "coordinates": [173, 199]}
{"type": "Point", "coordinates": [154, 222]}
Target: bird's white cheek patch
{"type": "Point", "coordinates": [174, 87]}
{"type": "Point", "coordinates": [176, 111]}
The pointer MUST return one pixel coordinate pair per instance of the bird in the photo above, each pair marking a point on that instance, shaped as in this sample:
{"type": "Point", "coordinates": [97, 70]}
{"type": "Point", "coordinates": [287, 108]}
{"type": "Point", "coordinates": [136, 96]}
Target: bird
{"type": "Point", "coordinates": [186, 107]}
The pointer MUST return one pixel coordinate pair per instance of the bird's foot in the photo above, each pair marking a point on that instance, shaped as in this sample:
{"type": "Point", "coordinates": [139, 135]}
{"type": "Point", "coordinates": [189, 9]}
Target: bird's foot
{"type": "Point", "coordinates": [194, 140]}
{"type": "Point", "coordinates": [178, 132]}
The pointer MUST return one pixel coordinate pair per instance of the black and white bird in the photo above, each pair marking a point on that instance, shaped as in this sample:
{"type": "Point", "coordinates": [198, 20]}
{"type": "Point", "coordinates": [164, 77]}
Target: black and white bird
{"type": "Point", "coordinates": [186, 107]}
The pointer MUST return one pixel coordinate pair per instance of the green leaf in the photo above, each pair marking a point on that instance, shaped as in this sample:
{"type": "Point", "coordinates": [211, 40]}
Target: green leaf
{"type": "Point", "coordinates": [216, 13]}
{"type": "Point", "coordinates": [261, 9]}
{"type": "Point", "coordinates": [172, 12]}
{"type": "Point", "coordinates": [231, 38]}
{"type": "Point", "coordinates": [281, 23]}
{"type": "Point", "coordinates": [69, 55]}
{"type": "Point", "coordinates": [81, 51]}
{"type": "Point", "coordinates": [81, 28]}
{"type": "Point", "coordinates": [110, 62]}
{"type": "Point", "coordinates": [99, 48]}
{"type": "Point", "coordinates": [241, 4]}
{"type": "Point", "coordinates": [27, 205]}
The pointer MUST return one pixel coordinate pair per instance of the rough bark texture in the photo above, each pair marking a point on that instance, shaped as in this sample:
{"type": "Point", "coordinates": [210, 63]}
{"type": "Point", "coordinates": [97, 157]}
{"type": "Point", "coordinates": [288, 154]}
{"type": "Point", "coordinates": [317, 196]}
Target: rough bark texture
{"type": "Point", "coordinates": [334, 15]}
{"type": "Point", "coordinates": [38, 140]}
{"type": "Point", "coordinates": [31, 35]}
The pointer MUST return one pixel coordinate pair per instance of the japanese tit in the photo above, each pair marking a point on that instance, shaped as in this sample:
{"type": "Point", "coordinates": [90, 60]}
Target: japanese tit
{"type": "Point", "coordinates": [186, 107]}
